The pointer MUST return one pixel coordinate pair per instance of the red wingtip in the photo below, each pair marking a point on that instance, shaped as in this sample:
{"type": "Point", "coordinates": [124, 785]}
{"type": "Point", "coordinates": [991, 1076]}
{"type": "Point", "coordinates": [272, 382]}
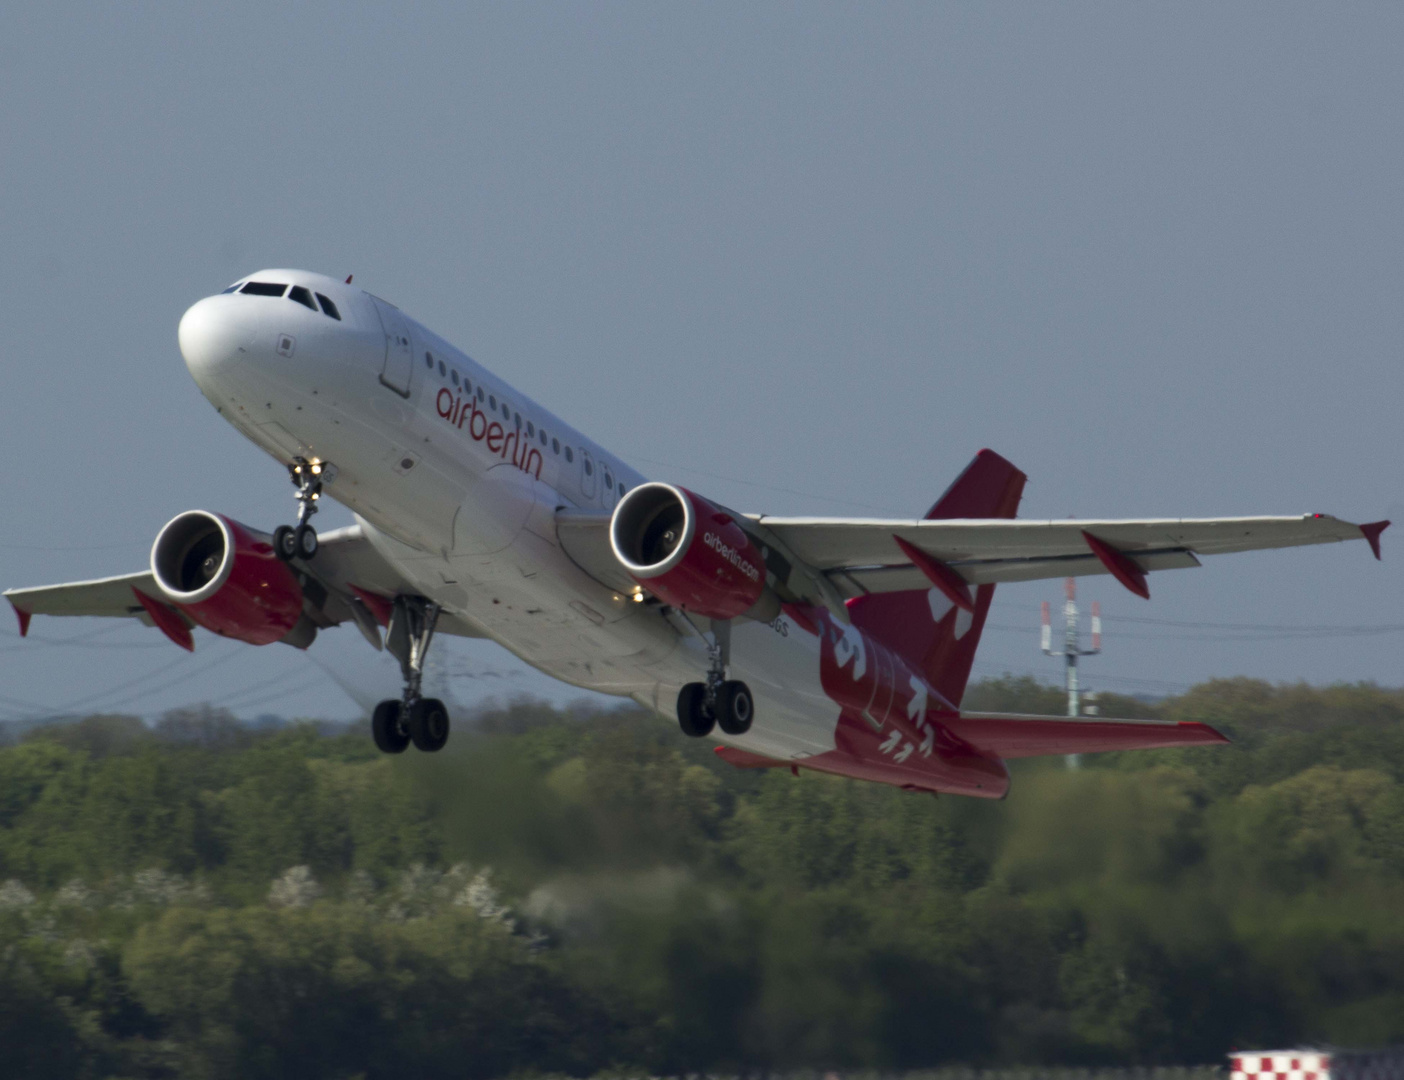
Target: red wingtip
{"type": "Point", "coordinates": [1371, 532]}
{"type": "Point", "coordinates": [349, 277]}
{"type": "Point", "coordinates": [24, 617]}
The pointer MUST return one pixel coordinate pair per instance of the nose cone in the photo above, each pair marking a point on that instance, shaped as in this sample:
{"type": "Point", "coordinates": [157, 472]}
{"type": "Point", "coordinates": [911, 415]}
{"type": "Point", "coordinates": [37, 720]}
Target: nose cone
{"type": "Point", "coordinates": [212, 334]}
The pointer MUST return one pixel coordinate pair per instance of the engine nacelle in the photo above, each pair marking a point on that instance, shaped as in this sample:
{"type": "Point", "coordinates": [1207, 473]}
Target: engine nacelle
{"type": "Point", "coordinates": [686, 551]}
{"type": "Point", "coordinates": [226, 577]}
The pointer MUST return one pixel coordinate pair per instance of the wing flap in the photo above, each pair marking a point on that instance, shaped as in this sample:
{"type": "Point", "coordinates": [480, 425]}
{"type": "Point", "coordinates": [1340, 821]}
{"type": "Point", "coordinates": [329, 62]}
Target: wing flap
{"type": "Point", "coordinates": [1014, 736]}
{"type": "Point", "coordinates": [878, 579]}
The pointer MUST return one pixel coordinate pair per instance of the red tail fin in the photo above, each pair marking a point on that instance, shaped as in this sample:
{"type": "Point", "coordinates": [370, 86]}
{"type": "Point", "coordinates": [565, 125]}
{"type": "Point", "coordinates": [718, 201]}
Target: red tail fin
{"type": "Point", "coordinates": [924, 626]}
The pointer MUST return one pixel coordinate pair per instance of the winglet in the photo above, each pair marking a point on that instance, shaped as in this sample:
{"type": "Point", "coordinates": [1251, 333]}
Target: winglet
{"type": "Point", "coordinates": [951, 584]}
{"type": "Point", "coordinates": [1119, 565]}
{"type": "Point", "coordinates": [23, 616]}
{"type": "Point", "coordinates": [167, 620]}
{"type": "Point", "coordinates": [1371, 532]}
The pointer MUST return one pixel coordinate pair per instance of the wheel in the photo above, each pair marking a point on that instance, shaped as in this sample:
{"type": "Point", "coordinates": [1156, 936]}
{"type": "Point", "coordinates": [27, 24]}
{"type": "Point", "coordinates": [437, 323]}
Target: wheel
{"type": "Point", "coordinates": [285, 542]}
{"type": "Point", "coordinates": [428, 724]}
{"type": "Point", "coordinates": [695, 719]}
{"type": "Point", "coordinates": [735, 709]}
{"type": "Point", "coordinates": [390, 734]}
{"type": "Point", "coordinates": [305, 541]}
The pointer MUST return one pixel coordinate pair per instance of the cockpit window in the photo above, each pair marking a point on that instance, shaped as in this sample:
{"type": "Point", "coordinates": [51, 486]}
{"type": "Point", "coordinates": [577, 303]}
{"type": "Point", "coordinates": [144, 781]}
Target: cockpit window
{"type": "Point", "coordinates": [302, 296]}
{"type": "Point", "coordinates": [329, 307]}
{"type": "Point", "coordinates": [232, 288]}
{"type": "Point", "coordinates": [263, 288]}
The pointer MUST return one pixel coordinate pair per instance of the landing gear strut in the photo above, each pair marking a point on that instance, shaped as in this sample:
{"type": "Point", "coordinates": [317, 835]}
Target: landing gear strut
{"type": "Point", "coordinates": [719, 702]}
{"type": "Point", "coordinates": [300, 542]}
{"type": "Point", "coordinates": [413, 719]}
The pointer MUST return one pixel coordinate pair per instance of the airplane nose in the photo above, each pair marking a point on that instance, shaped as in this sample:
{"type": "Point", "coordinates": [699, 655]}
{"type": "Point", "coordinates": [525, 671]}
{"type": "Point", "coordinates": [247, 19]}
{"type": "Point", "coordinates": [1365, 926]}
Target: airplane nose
{"type": "Point", "coordinates": [211, 334]}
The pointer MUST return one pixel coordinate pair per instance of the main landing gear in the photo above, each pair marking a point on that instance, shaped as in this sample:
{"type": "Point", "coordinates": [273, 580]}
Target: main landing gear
{"type": "Point", "coordinates": [300, 542]}
{"type": "Point", "coordinates": [719, 702]}
{"type": "Point", "coordinates": [413, 719]}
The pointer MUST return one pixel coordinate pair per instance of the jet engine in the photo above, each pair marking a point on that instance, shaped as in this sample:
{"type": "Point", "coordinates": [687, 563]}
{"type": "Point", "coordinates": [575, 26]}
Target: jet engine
{"type": "Point", "coordinates": [687, 551]}
{"type": "Point", "coordinates": [226, 577]}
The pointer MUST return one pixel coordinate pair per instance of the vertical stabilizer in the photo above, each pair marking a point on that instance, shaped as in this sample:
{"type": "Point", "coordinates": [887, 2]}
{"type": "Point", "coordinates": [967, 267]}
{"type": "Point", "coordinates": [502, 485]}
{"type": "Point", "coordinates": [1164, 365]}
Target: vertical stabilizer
{"type": "Point", "coordinates": [923, 624]}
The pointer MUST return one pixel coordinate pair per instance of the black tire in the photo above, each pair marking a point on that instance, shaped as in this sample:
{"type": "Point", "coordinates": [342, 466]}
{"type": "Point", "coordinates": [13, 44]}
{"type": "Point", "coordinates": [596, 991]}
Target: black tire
{"type": "Point", "coordinates": [285, 542]}
{"type": "Point", "coordinates": [428, 725]}
{"type": "Point", "coordinates": [735, 708]}
{"type": "Point", "coordinates": [695, 719]}
{"type": "Point", "coordinates": [389, 733]}
{"type": "Point", "coordinates": [305, 541]}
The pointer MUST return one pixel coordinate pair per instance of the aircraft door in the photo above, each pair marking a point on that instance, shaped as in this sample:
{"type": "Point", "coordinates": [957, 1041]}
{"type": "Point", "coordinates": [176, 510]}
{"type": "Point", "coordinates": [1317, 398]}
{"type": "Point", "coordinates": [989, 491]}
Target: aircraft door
{"type": "Point", "coordinates": [399, 352]}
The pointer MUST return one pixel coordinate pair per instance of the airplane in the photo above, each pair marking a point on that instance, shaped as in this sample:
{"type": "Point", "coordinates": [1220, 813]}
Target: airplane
{"type": "Point", "coordinates": [840, 645]}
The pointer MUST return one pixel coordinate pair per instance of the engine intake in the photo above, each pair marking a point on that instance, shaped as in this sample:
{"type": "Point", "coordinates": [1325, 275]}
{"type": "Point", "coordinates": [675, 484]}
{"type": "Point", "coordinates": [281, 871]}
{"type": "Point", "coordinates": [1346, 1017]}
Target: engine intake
{"type": "Point", "coordinates": [226, 577]}
{"type": "Point", "coordinates": [687, 551]}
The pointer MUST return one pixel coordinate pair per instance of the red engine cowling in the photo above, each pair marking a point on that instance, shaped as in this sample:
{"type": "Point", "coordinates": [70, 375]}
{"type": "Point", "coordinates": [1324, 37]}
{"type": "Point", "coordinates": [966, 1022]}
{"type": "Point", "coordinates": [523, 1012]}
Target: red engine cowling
{"type": "Point", "coordinates": [686, 551]}
{"type": "Point", "coordinates": [226, 577]}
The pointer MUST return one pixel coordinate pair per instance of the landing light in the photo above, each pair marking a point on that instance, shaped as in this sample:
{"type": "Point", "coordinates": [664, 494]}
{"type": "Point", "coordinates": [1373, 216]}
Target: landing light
{"type": "Point", "coordinates": [638, 597]}
{"type": "Point", "coordinates": [317, 470]}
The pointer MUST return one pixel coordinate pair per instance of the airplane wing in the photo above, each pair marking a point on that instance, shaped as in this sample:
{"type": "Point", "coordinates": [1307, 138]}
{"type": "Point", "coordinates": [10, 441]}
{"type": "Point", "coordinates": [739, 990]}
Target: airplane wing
{"type": "Point", "coordinates": [348, 581]}
{"type": "Point", "coordinates": [866, 555]}
{"type": "Point", "coordinates": [102, 596]}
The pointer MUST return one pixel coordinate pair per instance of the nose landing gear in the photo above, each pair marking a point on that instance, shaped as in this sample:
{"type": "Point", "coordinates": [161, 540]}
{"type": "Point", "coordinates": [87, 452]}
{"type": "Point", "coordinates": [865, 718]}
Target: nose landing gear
{"type": "Point", "coordinates": [300, 542]}
{"type": "Point", "coordinates": [413, 719]}
{"type": "Point", "coordinates": [719, 702]}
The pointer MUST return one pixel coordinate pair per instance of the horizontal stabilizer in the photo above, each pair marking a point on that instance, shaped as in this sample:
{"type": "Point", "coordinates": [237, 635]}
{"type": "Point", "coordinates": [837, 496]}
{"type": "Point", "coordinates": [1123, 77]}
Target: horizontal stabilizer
{"type": "Point", "coordinates": [1010, 736]}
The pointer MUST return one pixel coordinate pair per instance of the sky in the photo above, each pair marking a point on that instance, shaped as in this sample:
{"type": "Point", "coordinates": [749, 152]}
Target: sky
{"type": "Point", "coordinates": [804, 258]}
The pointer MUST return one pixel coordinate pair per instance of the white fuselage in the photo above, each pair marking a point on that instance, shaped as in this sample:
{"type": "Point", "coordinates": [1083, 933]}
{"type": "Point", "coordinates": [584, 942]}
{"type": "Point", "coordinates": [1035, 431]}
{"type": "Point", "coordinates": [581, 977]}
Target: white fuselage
{"type": "Point", "coordinates": [456, 479]}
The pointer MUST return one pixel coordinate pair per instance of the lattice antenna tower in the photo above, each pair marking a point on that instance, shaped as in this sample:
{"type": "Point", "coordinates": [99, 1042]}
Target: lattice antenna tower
{"type": "Point", "coordinates": [1072, 649]}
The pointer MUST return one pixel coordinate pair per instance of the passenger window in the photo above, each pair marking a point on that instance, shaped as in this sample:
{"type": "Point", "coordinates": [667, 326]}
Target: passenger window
{"type": "Point", "coordinates": [493, 402]}
{"type": "Point", "coordinates": [455, 377]}
{"type": "Point", "coordinates": [543, 436]}
{"type": "Point", "coordinates": [480, 393]}
{"type": "Point", "coordinates": [506, 411]}
{"type": "Point", "coordinates": [589, 469]}
{"type": "Point", "coordinates": [609, 480]}
{"type": "Point", "coordinates": [329, 307]}
{"type": "Point", "coordinates": [302, 296]}
{"type": "Point", "coordinates": [555, 446]}
{"type": "Point", "coordinates": [467, 389]}
{"type": "Point", "coordinates": [621, 487]}
{"type": "Point", "coordinates": [531, 430]}
{"type": "Point", "coordinates": [569, 455]}
{"type": "Point", "coordinates": [263, 288]}
{"type": "Point", "coordinates": [429, 361]}
{"type": "Point", "coordinates": [442, 370]}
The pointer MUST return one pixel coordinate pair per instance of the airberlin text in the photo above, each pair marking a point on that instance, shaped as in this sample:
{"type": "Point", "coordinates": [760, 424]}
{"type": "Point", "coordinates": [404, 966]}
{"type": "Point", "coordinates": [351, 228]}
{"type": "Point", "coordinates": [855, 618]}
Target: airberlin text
{"type": "Point", "coordinates": [731, 555]}
{"type": "Point", "coordinates": [509, 445]}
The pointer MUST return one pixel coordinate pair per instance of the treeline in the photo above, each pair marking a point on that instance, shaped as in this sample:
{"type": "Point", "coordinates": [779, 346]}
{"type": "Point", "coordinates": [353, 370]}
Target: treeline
{"type": "Point", "coordinates": [577, 893]}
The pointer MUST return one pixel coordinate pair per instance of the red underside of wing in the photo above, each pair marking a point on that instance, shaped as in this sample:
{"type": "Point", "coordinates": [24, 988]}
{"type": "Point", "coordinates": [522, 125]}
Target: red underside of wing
{"type": "Point", "coordinates": [1025, 736]}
